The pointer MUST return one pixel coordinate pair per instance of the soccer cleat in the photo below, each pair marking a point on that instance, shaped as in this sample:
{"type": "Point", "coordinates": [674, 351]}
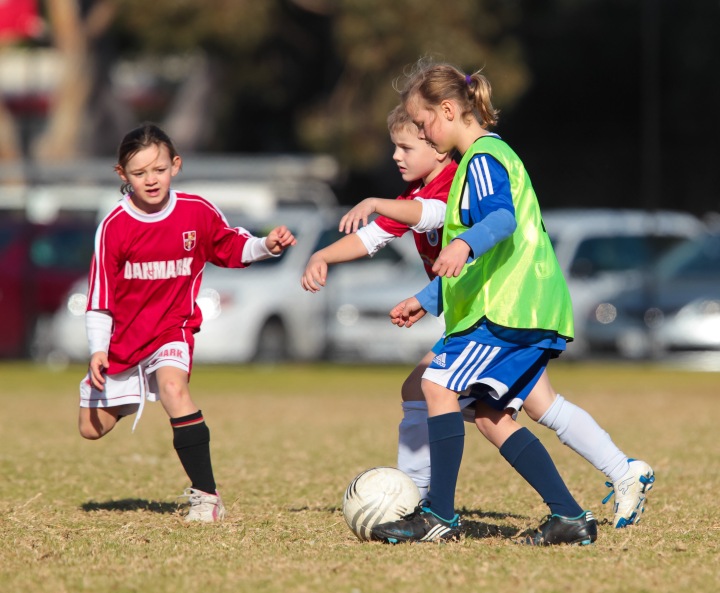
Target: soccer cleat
{"type": "Point", "coordinates": [630, 493]}
{"type": "Point", "coordinates": [204, 507]}
{"type": "Point", "coordinates": [557, 529]}
{"type": "Point", "coordinates": [422, 525]}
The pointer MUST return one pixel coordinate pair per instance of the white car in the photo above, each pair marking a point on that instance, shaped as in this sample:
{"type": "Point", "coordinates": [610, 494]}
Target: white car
{"type": "Point", "coordinates": [602, 250]}
{"type": "Point", "coordinates": [360, 302]}
{"type": "Point", "coordinates": [261, 313]}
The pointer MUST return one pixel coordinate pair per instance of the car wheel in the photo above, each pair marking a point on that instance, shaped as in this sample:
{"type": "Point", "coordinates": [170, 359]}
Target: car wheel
{"type": "Point", "coordinates": [272, 343]}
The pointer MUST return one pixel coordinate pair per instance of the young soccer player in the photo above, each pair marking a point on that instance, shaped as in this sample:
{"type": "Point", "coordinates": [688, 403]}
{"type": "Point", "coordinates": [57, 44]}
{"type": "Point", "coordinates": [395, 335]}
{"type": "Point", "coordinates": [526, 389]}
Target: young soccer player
{"type": "Point", "coordinates": [429, 175]}
{"type": "Point", "coordinates": [150, 252]}
{"type": "Point", "coordinates": [424, 214]}
{"type": "Point", "coordinates": [506, 305]}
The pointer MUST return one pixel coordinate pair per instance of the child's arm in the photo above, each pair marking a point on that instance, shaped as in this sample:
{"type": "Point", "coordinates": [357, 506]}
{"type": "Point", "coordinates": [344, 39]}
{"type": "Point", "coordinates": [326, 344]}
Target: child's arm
{"type": "Point", "coordinates": [482, 236]}
{"type": "Point", "coordinates": [491, 204]}
{"type": "Point", "coordinates": [279, 239]}
{"type": "Point", "coordinates": [98, 325]}
{"type": "Point", "coordinates": [260, 248]}
{"type": "Point", "coordinates": [407, 313]}
{"type": "Point", "coordinates": [420, 214]}
{"type": "Point", "coordinates": [347, 248]}
{"type": "Point", "coordinates": [410, 311]}
{"type": "Point", "coordinates": [405, 211]}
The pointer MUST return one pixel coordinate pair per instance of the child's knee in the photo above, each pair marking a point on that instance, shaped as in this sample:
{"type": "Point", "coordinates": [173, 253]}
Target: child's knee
{"type": "Point", "coordinates": [90, 432]}
{"type": "Point", "coordinates": [93, 427]}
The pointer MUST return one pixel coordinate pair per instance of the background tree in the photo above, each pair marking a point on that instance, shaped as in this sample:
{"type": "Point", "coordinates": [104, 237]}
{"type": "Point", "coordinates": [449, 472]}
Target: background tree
{"type": "Point", "coordinates": [570, 76]}
{"type": "Point", "coordinates": [74, 33]}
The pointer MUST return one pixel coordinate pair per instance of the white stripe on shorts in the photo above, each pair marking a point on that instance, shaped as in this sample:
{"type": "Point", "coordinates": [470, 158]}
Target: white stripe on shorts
{"type": "Point", "coordinates": [466, 368]}
{"type": "Point", "coordinates": [485, 355]}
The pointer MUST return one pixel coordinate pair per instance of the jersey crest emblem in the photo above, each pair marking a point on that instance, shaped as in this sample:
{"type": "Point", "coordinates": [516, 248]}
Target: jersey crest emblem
{"type": "Point", "coordinates": [189, 240]}
{"type": "Point", "coordinates": [433, 237]}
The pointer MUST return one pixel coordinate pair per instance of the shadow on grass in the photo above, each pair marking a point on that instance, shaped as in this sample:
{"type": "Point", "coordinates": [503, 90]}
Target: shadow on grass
{"type": "Point", "coordinates": [131, 504]}
{"type": "Point", "coordinates": [478, 529]}
{"type": "Point", "coordinates": [473, 525]}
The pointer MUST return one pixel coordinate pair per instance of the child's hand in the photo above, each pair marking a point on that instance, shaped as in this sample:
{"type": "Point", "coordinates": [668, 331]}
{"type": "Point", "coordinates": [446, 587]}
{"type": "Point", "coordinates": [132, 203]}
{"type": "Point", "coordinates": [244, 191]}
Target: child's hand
{"type": "Point", "coordinates": [279, 239]}
{"type": "Point", "coordinates": [452, 259]}
{"type": "Point", "coordinates": [315, 274]}
{"type": "Point", "coordinates": [407, 313]}
{"type": "Point", "coordinates": [350, 223]}
{"type": "Point", "coordinates": [98, 364]}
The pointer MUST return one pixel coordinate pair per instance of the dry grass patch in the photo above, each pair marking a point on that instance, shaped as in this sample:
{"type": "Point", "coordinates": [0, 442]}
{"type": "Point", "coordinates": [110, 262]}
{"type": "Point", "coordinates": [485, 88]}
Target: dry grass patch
{"type": "Point", "coordinates": [101, 516]}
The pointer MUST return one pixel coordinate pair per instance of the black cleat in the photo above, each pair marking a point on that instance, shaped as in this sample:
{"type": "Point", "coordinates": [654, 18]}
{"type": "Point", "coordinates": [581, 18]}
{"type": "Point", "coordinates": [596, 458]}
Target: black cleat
{"type": "Point", "coordinates": [422, 525]}
{"type": "Point", "coordinates": [556, 530]}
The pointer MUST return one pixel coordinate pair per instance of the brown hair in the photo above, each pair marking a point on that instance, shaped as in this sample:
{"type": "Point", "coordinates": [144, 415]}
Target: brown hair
{"type": "Point", "coordinates": [147, 134]}
{"type": "Point", "coordinates": [399, 119]}
{"type": "Point", "coordinates": [435, 83]}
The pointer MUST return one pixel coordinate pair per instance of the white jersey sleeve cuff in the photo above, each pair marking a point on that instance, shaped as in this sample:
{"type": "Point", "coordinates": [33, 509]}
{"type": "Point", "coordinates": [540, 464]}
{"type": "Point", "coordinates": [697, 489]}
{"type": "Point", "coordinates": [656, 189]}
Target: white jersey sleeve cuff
{"type": "Point", "coordinates": [432, 217]}
{"type": "Point", "coordinates": [374, 238]}
{"type": "Point", "coordinates": [255, 249]}
{"type": "Point", "coordinates": [98, 326]}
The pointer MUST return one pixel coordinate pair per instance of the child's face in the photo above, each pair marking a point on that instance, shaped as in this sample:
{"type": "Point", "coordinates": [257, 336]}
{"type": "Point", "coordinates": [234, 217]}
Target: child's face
{"type": "Point", "coordinates": [150, 172]}
{"type": "Point", "coordinates": [430, 125]}
{"type": "Point", "coordinates": [415, 158]}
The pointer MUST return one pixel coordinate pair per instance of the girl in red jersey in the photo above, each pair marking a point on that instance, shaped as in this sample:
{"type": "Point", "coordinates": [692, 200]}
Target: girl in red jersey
{"type": "Point", "coordinates": [150, 252]}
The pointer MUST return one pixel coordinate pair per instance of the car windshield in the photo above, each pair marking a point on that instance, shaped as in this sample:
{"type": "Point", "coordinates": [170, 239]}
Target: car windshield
{"type": "Point", "coordinates": [619, 253]}
{"type": "Point", "coordinates": [699, 258]}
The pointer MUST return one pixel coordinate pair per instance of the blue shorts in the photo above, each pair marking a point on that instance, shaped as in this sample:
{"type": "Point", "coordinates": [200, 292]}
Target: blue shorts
{"type": "Point", "coordinates": [500, 376]}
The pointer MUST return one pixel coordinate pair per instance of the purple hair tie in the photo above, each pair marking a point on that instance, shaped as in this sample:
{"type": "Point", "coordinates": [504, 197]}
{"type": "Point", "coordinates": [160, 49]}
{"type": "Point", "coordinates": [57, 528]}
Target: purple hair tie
{"type": "Point", "coordinates": [468, 79]}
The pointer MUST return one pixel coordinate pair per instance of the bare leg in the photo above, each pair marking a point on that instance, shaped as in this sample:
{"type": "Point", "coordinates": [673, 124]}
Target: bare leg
{"type": "Point", "coordinates": [174, 392]}
{"type": "Point", "coordinates": [412, 387]}
{"type": "Point", "coordinates": [540, 399]}
{"type": "Point", "coordinates": [95, 423]}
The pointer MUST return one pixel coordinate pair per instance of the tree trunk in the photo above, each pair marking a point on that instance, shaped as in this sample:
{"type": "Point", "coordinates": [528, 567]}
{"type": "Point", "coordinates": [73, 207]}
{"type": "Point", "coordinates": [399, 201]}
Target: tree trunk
{"type": "Point", "coordinates": [63, 137]}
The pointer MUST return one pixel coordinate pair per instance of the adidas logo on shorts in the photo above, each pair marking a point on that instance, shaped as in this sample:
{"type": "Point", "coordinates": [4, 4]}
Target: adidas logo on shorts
{"type": "Point", "coordinates": [439, 360]}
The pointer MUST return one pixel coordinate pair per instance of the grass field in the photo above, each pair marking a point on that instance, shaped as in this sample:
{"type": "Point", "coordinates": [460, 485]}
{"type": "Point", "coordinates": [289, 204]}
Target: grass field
{"type": "Point", "coordinates": [101, 516]}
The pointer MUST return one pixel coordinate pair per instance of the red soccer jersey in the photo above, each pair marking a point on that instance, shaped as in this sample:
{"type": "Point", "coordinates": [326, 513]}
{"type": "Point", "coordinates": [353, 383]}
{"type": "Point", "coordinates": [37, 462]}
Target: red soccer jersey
{"type": "Point", "coordinates": [147, 270]}
{"type": "Point", "coordinates": [428, 244]}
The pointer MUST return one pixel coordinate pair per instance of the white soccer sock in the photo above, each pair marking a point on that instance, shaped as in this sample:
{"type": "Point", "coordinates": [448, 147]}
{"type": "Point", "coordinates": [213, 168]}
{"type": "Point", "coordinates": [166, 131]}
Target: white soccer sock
{"type": "Point", "coordinates": [413, 444]}
{"type": "Point", "coordinates": [578, 430]}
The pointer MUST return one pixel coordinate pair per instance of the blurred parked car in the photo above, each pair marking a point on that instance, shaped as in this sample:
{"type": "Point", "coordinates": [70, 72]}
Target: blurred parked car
{"type": "Point", "coordinates": [38, 264]}
{"type": "Point", "coordinates": [675, 306]}
{"type": "Point", "coordinates": [262, 313]}
{"type": "Point", "coordinates": [601, 251]}
{"type": "Point", "coordinates": [360, 301]}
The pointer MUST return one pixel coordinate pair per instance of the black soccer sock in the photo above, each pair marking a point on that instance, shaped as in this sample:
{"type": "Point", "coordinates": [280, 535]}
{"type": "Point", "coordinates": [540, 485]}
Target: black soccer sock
{"type": "Point", "coordinates": [528, 456]}
{"type": "Point", "coordinates": [191, 439]}
{"type": "Point", "coordinates": [447, 441]}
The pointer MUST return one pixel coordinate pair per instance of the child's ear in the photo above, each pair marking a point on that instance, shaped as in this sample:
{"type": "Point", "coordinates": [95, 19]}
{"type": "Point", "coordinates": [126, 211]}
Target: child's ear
{"type": "Point", "coordinates": [176, 165]}
{"type": "Point", "coordinates": [121, 173]}
{"type": "Point", "coordinates": [447, 109]}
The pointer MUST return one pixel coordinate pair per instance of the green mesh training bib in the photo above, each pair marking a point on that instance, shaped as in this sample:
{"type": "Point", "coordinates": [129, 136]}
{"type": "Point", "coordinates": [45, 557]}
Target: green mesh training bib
{"type": "Point", "coordinates": [518, 283]}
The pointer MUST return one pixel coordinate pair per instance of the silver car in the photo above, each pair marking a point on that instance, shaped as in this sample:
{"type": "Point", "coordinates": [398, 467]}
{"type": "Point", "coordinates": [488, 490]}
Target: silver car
{"type": "Point", "coordinates": [601, 251]}
{"type": "Point", "coordinates": [675, 306]}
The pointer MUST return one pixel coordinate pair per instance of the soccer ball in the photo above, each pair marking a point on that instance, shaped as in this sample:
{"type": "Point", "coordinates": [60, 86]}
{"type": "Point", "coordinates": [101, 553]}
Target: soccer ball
{"type": "Point", "coordinates": [376, 496]}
